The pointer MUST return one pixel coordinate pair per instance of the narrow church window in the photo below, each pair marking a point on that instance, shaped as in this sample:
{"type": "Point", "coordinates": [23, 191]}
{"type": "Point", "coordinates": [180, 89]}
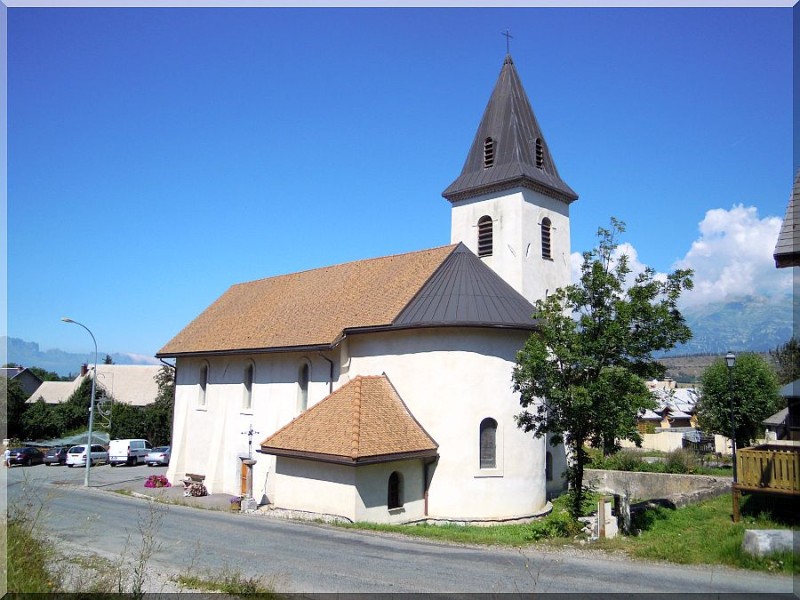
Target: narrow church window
{"type": "Point", "coordinates": [302, 382]}
{"type": "Point", "coordinates": [395, 491]}
{"type": "Point", "coordinates": [546, 253]}
{"type": "Point", "coordinates": [539, 154]}
{"type": "Point", "coordinates": [488, 153]}
{"type": "Point", "coordinates": [548, 466]}
{"type": "Point", "coordinates": [485, 236]}
{"type": "Point", "coordinates": [203, 385]}
{"type": "Point", "coordinates": [248, 387]}
{"type": "Point", "coordinates": [488, 449]}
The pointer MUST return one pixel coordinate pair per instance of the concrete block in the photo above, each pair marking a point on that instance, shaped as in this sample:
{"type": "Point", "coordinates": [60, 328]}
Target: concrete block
{"type": "Point", "coordinates": [760, 542]}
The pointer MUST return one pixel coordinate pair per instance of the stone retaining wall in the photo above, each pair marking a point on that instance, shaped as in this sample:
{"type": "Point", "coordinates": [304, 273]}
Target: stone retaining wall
{"type": "Point", "coordinates": [677, 489]}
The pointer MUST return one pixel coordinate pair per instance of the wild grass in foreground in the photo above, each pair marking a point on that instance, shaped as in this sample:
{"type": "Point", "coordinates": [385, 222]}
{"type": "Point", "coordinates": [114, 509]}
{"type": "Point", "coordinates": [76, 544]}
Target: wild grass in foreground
{"type": "Point", "coordinates": [699, 534]}
{"type": "Point", "coordinates": [705, 534]}
{"type": "Point", "coordinates": [229, 582]}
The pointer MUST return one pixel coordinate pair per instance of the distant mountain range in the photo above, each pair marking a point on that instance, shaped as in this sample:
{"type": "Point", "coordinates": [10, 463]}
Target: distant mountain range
{"type": "Point", "coordinates": [750, 324]}
{"type": "Point", "coordinates": [28, 354]}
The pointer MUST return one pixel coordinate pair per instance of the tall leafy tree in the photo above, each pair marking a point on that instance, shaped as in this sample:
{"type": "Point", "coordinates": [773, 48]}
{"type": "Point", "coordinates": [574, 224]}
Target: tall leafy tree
{"type": "Point", "coordinates": [581, 374]}
{"type": "Point", "coordinates": [753, 387]}
{"type": "Point", "coordinates": [787, 360]}
{"type": "Point", "coordinates": [13, 398]}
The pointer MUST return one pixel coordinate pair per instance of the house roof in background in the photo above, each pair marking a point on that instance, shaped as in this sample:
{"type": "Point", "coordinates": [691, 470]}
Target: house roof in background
{"type": "Point", "coordinates": [129, 384]}
{"type": "Point", "coordinates": [446, 286]}
{"type": "Point", "coordinates": [365, 421]}
{"type": "Point", "coordinates": [787, 249]}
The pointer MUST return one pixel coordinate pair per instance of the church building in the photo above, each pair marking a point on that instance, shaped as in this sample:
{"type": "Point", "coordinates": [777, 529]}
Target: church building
{"type": "Point", "coordinates": [380, 390]}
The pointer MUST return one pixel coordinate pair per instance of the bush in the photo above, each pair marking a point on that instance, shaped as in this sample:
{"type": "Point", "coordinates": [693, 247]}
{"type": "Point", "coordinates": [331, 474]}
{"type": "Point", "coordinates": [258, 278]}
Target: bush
{"type": "Point", "coordinates": [681, 460]}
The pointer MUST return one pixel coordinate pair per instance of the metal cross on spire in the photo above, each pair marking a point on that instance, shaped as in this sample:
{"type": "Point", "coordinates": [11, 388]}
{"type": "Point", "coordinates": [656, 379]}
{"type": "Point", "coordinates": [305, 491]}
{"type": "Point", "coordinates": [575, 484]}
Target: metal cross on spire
{"type": "Point", "coordinates": [509, 37]}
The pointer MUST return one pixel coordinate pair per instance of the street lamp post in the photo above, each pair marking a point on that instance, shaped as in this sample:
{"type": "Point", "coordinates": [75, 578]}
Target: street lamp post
{"type": "Point", "coordinates": [91, 404]}
{"type": "Point", "coordinates": [730, 360]}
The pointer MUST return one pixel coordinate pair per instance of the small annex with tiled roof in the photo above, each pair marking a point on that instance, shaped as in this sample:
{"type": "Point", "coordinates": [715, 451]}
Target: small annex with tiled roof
{"type": "Point", "coordinates": [363, 422]}
{"type": "Point", "coordinates": [380, 389]}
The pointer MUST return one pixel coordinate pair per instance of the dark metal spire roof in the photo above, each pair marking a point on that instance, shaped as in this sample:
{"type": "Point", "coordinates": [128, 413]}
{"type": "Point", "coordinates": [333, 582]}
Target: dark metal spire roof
{"type": "Point", "coordinates": [465, 291]}
{"type": "Point", "coordinates": [787, 249]}
{"type": "Point", "coordinates": [511, 125]}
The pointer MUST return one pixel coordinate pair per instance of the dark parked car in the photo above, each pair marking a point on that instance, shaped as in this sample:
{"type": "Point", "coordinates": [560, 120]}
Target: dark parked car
{"type": "Point", "coordinates": [57, 456]}
{"type": "Point", "coordinates": [26, 456]}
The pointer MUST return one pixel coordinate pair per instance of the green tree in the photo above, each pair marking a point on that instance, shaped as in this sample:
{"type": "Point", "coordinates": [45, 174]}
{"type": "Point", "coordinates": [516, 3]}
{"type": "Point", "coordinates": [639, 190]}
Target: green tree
{"type": "Point", "coordinates": [127, 421]}
{"type": "Point", "coordinates": [108, 360]}
{"type": "Point", "coordinates": [13, 398]}
{"type": "Point", "coordinates": [754, 389]}
{"type": "Point", "coordinates": [159, 414]}
{"type": "Point", "coordinates": [581, 374]}
{"type": "Point", "coordinates": [787, 360]}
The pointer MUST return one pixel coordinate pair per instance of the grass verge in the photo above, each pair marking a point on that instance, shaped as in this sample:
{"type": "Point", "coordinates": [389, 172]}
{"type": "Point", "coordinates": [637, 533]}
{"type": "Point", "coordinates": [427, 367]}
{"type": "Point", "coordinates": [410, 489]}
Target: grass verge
{"type": "Point", "coordinates": [698, 534]}
{"type": "Point", "coordinates": [229, 582]}
{"type": "Point", "coordinates": [704, 533]}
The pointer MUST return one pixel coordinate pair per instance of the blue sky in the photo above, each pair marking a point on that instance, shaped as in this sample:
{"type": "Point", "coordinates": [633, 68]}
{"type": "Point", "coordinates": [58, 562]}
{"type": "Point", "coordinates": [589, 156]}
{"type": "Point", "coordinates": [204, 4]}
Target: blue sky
{"type": "Point", "coordinates": [158, 156]}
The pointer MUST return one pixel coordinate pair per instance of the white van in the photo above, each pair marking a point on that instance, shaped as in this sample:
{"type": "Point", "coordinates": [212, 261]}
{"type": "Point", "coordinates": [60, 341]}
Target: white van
{"type": "Point", "coordinates": [127, 452]}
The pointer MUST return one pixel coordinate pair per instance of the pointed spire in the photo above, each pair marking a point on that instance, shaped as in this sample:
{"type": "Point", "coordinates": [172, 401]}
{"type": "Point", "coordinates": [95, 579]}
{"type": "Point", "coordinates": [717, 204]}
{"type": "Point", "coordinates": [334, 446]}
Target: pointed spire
{"type": "Point", "coordinates": [509, 149]}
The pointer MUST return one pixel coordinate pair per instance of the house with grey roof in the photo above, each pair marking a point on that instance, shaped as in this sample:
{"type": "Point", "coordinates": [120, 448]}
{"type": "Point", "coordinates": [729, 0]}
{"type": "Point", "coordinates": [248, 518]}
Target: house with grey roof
{"type": "Point", "coordinates": [380, 389]}
{"type": "Point", "coordinates": [27, 379]}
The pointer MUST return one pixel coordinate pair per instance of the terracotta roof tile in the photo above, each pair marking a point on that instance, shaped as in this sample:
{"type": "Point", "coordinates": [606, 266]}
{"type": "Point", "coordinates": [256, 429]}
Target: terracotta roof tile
{"type": "Point", "coordinates": [310, 308]}
{"type": "Point", "coordinates": [363, 421]}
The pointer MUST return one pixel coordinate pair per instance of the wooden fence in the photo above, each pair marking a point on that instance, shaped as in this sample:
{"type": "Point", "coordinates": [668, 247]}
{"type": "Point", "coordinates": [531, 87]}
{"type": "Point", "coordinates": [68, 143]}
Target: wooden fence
{"type": "Point", "coordinates": [766, 470]}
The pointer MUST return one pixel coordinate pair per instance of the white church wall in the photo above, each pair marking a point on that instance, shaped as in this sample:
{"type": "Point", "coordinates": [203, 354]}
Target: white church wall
{"type": "Point", "coordinates": [209, 438]}
{"type": "Point", "coordinates": [315, 487]}
{"type": "Point", "coordinates": [451, 379]}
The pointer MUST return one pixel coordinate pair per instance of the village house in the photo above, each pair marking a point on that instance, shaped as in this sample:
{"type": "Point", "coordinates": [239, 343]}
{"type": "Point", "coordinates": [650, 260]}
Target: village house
{"type": "Point", "coordinates": [380, 390]}
{"type": "Point", "coordinates": [128, 384]}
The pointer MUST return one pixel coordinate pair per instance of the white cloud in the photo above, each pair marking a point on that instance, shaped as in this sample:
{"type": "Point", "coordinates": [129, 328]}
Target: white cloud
{"type": "Point", "coordinates": [732, 258]}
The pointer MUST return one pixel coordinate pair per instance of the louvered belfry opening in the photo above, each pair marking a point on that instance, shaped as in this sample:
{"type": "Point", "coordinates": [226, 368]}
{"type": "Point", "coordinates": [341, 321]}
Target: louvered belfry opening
{"type": "Point", "coordinates": [485, 236]}
{"type": "Point", "coordinates": [488, 153]}
{"type": "Point", "coordinates": [546, 250]}
{"type": "Point", "coordinates": [539, 154]}
{"type": "Point", "coordinates": [488, 444]}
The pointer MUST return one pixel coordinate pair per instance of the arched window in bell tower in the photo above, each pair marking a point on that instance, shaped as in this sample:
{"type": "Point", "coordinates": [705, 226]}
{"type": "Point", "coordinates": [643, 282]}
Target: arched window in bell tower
{"type": "Point", "coordinates": [485, 236]}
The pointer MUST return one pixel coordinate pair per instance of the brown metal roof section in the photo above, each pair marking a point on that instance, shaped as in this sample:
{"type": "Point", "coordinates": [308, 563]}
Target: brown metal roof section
{"type": "Point", "coordinates": [787, 249]}
{"type": "Point", "coordinates": [308, 310]}
{"type": "Point", "coordinates": [464, 291]}
{"type": "Point", "coordinates": [509, 121]}
{"type": "Point", "coordinates": [363, 422]}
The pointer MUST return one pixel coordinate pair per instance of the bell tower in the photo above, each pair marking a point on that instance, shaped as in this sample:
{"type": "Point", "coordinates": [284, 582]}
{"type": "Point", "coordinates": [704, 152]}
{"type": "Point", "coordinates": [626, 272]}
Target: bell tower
{"type": "Point", "coordinates": [509, 204]}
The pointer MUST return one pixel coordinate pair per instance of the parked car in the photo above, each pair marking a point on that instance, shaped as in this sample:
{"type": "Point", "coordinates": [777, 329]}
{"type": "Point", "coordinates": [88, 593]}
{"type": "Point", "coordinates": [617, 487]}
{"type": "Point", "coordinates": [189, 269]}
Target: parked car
{"type": "Point", "coordinates": [158, 456]}
{"type": "Point", "coordinates": [56, 455]}
{"type": "Point", "coordinates": [128, 452]}
{"type": "Point", "coordinates": [26, 456]}
{"type": "Point", "coordinates": [76, 456]}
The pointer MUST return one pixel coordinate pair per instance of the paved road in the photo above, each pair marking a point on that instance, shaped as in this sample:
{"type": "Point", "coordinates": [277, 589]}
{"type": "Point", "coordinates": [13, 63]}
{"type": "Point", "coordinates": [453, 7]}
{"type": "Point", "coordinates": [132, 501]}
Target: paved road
{"type": "Point", "coordinates": [310, 558]}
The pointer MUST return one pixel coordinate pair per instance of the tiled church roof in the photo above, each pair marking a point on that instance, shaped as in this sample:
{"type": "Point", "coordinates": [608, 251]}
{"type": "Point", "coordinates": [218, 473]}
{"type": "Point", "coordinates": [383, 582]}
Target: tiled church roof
{"type": "Point", "coordinates": [446, 286]}
{"type": "Point", "coordinates": [363, 422]}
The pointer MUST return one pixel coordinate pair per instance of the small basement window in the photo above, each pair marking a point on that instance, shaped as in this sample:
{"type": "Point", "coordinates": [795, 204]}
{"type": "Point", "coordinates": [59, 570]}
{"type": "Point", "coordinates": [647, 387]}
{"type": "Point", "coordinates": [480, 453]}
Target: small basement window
{"type": "Point", "coordinates": [395, 491]}
{"type": "Point", "coordinates": [485, 236]}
